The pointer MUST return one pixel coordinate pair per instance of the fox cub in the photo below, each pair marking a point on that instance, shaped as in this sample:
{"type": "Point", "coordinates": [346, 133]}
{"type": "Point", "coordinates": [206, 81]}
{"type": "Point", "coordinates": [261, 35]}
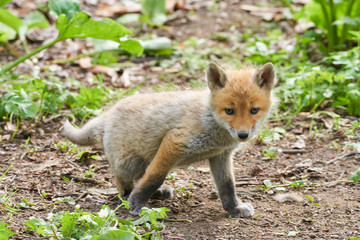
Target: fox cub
{"type": "Point", "coordinates": [145, 136]}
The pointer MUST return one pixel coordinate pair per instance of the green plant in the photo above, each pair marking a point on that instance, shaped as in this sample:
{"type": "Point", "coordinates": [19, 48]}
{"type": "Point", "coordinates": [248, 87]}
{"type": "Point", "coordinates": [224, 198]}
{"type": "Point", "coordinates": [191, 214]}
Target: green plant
{"type": "Point", "coordinates": [171, 176]}
{"type": "Point", "coordinates": [5, 233]}
{"type": "Point", "coordinates": [17, 103]}
{"type": "Point", "coordinates": [154, 12]}
{"type": "Point", "coordinates": [184, 192]}
{"type": "Point", "coordinates": [337, 18]}
{"type": "Point", "coordinates": [269, 152]}
{"type": "Point", "coordinates": [311, 200]}
{"type": "Point", "coordinates": [355, 176]}
{"type": "Point", "coordinates": [268, 185]}
{"type": "Point", "coordinates": [74, 23]}
{"type": "Point", "coordinates": [66, 146]}
{"type": "Point", "coordinates": [90, 173]}
{"type": "Point", "coordinates": [4, 196]}
{"type": "Point", "coordinates": [311, 86]}
{"type": "Point", "coordinates": [295, 184]}
{"type": "Point", "coordinates": [99, 225]}
{"type": "Point", "coordinates": [11, 25]}
{"type": "Point", "coordinates": [170, 86]}
{"type": "Point", "coordinates": [270, 134]}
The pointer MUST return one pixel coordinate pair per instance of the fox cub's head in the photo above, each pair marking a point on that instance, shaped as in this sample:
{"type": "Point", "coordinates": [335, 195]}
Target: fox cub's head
{"type": "Point", "coordinates": [241, 99]}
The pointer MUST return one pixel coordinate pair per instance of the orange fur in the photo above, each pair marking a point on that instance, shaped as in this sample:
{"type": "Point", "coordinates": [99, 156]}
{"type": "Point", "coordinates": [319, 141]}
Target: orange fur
{"type": "Point", "coordinates": [241, 94]}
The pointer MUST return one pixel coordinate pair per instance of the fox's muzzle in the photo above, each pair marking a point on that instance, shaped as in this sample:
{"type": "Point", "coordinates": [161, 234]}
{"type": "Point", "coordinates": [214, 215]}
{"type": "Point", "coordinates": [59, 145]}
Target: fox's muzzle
{"type": "Point", "coordinates": [243, 135]}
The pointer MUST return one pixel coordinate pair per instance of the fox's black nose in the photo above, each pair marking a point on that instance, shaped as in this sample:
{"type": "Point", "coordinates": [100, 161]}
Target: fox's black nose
{"type": "Point", "coordinates": [243, 135]}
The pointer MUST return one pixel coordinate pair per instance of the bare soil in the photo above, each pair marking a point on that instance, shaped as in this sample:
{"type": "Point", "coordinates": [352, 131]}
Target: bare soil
{"type": "Point", "coordinates": [333, 214]}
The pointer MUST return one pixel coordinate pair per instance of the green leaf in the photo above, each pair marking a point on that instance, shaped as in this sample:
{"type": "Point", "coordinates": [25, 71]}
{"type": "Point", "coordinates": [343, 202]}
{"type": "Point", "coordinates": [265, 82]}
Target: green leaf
{"type": "Point", "coordinates": [310, 198]}
{"type": "Point", "coordinates": [18, 103]}
{"type": "Point", "coordinates": [82, 26]}
{"type": "Point", "coordinates": [39, 226]}
{"type": "Point", "coordinates": [154, 11]}
{"type": "Point", "coordinates": [10, 19]}
{"type": "Point", "coordinates": [66, 7]}
{"type": "Point", "coordinates": [132, 46]}
{"type": "Point", "coordinates": [128, 18]}
{"type": "Point", "coordinates": [355, 176]}
{"type": "Point", "coordinates": [6, 32]}
{"type": "Point", "coordinates": [159, 46]}
{"type": "Point", "coordinates": [4, 2]}
{"type": "Point", "coordinates": [117, 235]}
{"type": "Point", "coordinates": [35, 19]}
{"type": "Point", "coordinates": [5, 233]}
{"type": "Point", "coordinates": [90, 97]}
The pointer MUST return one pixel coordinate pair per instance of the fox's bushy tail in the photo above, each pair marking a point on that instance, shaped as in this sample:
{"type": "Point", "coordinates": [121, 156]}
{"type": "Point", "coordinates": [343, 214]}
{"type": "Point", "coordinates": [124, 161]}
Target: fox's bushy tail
{"type": "Point", "coordinates": [91, 134]}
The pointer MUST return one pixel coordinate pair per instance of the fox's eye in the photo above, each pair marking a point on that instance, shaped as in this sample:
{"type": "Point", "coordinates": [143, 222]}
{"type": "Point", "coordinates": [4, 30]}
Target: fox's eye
{"type": "Point", "coordinates": [229, 111]}
{"type": "Point", "coordinates": [254, 110]}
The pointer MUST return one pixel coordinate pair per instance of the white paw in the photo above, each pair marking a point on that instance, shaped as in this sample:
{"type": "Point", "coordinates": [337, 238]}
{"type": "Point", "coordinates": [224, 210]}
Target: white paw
{"type": "Point", "coordinates": [243, 210]}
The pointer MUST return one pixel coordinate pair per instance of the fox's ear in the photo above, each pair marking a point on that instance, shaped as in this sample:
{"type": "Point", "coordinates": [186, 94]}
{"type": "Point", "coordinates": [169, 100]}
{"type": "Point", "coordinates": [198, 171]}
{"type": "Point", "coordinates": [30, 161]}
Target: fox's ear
{"type": "Point", "coordinates": [216, 76]}
{"type": "Point", "coordinates": [265, 76]}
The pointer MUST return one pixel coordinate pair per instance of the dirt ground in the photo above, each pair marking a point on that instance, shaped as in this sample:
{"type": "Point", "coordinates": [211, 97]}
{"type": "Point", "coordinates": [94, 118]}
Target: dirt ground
{"type": "Point", "coordinates": [334, 212]}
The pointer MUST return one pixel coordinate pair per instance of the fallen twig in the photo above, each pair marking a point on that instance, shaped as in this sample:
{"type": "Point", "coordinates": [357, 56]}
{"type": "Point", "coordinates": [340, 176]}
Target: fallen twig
{"type": "Point", "coordinates": [176, 220]}
{"type": "Point", "coordinates": [80, 179]}
{"type": "Point", "coordinates": [342, 156]}
{"type": "Point", "coordinates": [293, 151]}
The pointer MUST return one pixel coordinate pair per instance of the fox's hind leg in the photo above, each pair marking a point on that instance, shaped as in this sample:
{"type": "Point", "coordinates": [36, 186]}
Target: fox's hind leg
{"type": "Point", "coordinates": [155, 174]}
{"type": "Point", "coordinates": [124, 187]}
{"type": "Point", "coordinates": [163, 193]}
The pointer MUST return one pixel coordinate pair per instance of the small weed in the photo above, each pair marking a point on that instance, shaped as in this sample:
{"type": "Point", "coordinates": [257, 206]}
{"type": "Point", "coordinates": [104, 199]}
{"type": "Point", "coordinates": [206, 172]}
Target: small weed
{"type": "Point", "coordinates": [354, 145]}
{"type": "Point", "coordinates": [295, 184]}
{"type": "Point", "coordinates": [311, 199]}
{"type": "Point", "coordinates": [183, 192]}
{"type": "Point", "coordinates": [171, 176]}
{"type": "Point", "coordinates": [268, 135]}
{"type": "Point", "coordinates": [269, 152]}
{"type": "Point", "coordinates": [268, 184]}
{"type": "Point", "coordinates": [25, 203]}
{"type": "Point", "coordinates": [59, 200]}
{"type": "Point", "coordinates": [66, 146]}
{"type": "Point", "coordinates": [5, 233]}
{"type": "Point", "coordinates": [355, 176]}
{"type": "Point", "coordinates": [166, 87]}
{"type": "Point", "coordinates": [196, 84]}
{"type": "Point", "coordinates": [43, 195]}
{"type": "Point", "coordinates": [4, 196]}
{"type": "Point", "coordinates": [90, 173]}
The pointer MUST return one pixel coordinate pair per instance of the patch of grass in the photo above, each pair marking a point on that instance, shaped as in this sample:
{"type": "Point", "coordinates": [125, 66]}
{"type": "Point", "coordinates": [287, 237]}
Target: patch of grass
{"type": "Point", "coordinates": [170, 86]}
{"type": "Point", "coordinates": [4, 196]}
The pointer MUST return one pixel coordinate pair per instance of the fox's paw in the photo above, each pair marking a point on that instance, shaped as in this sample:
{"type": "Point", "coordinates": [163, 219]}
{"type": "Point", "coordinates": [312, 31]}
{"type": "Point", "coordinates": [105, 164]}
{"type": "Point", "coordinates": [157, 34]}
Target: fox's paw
{"type": "Point", "coordinates": [163, 193]}
{"type": "Point", "coordinates": [242, 210]}
{"type": "Point", "coordinates": [135, 206]}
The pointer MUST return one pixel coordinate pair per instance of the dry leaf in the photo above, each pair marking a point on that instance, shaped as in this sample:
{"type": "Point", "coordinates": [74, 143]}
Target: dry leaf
{"type": "Point", "coordinates": [288, 197]}
{"type": "Point", "coordinates": [116, 10]}
{"type": "Point", "coordinates": [328, 122]}
{"type": "Point", "coordinates": [85, 62]}
{"type": "Point", "coordinates": [299, 144]}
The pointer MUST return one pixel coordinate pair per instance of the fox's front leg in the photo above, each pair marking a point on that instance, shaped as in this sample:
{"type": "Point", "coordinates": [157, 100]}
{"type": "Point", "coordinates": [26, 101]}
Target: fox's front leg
{"type": "Point", "coordinates": [155, 174]}
{"type": "Point", "coordinates": [221, 168]}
